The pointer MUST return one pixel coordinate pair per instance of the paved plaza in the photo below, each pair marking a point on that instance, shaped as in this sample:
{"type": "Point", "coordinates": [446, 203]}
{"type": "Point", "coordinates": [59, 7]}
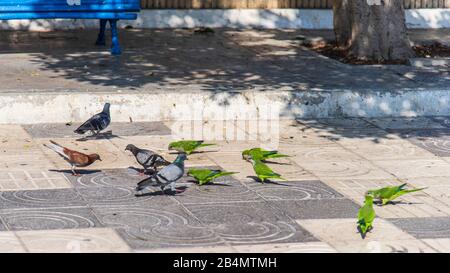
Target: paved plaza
{"type": "Point", "coordinates": [43, 208]}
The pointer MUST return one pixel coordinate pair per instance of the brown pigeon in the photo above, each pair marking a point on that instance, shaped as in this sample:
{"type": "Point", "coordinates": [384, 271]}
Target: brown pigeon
{"type": "Point", "coordinates": [76, 159]}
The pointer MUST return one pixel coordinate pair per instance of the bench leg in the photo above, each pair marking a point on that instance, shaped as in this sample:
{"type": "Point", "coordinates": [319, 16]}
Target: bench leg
{"type": "Point", "coordinates": [101, 34]}
{"type": "Point", "coordinates": [115, 47]}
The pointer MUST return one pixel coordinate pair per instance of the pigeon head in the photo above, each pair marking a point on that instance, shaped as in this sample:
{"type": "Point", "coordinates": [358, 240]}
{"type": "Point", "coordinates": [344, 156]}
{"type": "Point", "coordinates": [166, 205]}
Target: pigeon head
{"type": "Point", "coordinates": [130, 147]}
{"type": "Point", "coordinates": [181, 157]}
{"type": "Point", "coordinates": [106, 107]}
{"type": "Point", "coordinates": [95, 157]}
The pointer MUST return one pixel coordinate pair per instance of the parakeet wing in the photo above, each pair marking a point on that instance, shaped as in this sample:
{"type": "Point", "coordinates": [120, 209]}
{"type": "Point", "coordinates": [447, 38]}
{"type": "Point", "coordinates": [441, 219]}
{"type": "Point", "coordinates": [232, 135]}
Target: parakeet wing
{"type": "Point", "coordinates": [200, 174]}
{"type": "Point", "coordinates": [263, 169]}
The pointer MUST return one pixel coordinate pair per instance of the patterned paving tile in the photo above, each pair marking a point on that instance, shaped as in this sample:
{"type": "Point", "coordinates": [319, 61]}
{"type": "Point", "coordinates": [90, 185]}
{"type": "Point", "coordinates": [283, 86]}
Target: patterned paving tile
{"type": "Point", "coordinates": [425, 228]}
{"type": "Point", "coordinates": [12, 132]}
{"type": "Point", "coordinates": [338, 123]}
{"type": "Point", "coordinates": [112, 157]}
{"type": "Point", "coordinates": [334, 161]}
{"type": "Point", "coordinates": [343, 235]}
{"type": "Point", "coordinates": [418, 204]}
{"type": "Point", "coordinates": [31, 180]}
{"type": "Point", "coordinates": [291, 171]}
{"type": "Point", "coordinates": [2, 225]}
{"type": "Point", "coordinates": [9, 243]}
{"type": "Point", "coordinates": [233, 162]}
{"type": "Point", "coordinates": [212, 130]}
{"type": "Point", "coordinates": [441, 245]}
{"type": "Point", "coordinates": [405, 123]}
{"type": "Point", "coordinates": [162, 225]}
{"type": "Point", "coordinates": [45, 219]}
{"type": "Point", "coordinates": [415, 168]}
{"type": "Point", "coordinates": [157, 144]}
{"type": "Point", "coordinates": [294, 190]}
{"type": "Point", "coordinates": [106, 177]}
{"type": "Point", "coordinates": [249, 223]}
{"type": "Point", "coordinates": [61, 130]}
{"type": "Point", "coordinates": [436, 142]}
{"type": "Point", "coordinates": [112, 196]}
{"type": "Point", "coordinates": [311, 247]}
{"type": "Point", "coordinates": [318, 153]}
{"type": "Point", "coordinates": [40, 199]}
{"type": "Point", "coordinates": [224, 189]}
{"type": "Point", "coordinates": [195, 249]}
{"type": "Point", "coordinates": [387, 149]}
{"type": "Point", "coordinates": [345, 230]}
{"type": "Point", "coordinates": [73, 240]}
{"type": "Point", "coordinates": [386, 246]}
{"type": "Point", "coordinates": [23, 155]}
{"type": "Point", "coordinates": [346, 169]}
{"type": "Point", "coordinates": [318, 209]}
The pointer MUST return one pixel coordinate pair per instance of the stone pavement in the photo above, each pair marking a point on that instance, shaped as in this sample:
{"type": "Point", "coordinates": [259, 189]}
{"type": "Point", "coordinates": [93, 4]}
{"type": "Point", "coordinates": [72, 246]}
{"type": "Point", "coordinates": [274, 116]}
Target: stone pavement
{"type": "Point", "coordinates": [181, 72]}
{"type": "Point", "coordinates": [182, 60]}
{"type": "Point", "coordinates": [334, 161]}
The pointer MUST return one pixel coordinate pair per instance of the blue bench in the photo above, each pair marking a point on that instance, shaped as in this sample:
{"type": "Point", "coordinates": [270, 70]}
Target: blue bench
{"type": "Point", "coordinates": [106, 10]}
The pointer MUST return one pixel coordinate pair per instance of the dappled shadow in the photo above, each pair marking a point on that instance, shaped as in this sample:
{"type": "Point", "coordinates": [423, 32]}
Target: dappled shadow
{"type": "Point", "coordinates": [221, 64]}
{"type": "Point", "coordinates": [431, 133]}
{"type": "Point", "coordinates": [226, 60]}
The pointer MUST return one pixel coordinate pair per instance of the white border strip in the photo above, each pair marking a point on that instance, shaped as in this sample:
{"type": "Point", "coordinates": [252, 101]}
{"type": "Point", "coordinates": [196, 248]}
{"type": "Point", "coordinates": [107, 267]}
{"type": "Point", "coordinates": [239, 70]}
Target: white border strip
{"type": "Point", "coordinates": [233, 18]}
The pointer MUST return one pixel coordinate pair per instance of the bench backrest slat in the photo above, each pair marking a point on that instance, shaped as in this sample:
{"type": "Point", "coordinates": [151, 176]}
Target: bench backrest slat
{"type": "Point", "coordinates": [68, 5]}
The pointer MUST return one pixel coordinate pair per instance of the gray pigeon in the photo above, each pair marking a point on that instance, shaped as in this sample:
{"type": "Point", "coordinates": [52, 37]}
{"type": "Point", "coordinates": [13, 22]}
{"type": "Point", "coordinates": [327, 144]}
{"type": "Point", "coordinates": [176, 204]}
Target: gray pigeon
{"type": "Point", "coordinates": [166, 176]}
{"type": "Point", "coordinates": [147, 158]}
{"type": "Point", "coordinates": [96, 123]}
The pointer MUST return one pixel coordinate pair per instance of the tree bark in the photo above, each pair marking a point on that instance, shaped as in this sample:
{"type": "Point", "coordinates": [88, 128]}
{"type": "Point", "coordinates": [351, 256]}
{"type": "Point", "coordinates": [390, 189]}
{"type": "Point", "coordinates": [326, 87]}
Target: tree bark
{"type": "Point", "coordinates": [342, 22]}
{"type": "Point", "coordinates": [377, 29]}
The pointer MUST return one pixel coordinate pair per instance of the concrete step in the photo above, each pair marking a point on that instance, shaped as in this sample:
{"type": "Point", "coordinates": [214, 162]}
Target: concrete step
{"type": "Point", "coordinates": [51, 107]}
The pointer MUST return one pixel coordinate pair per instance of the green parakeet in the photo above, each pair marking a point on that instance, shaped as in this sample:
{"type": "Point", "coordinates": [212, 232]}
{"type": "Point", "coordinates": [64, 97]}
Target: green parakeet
{"type": "Point", "coordinates": [187, 146]}
{"type": "Point", "coordinates": [205, 176]}
{"type": "Point", "coordinates": [366, 215]}
{"type": "Point", "coordinates": [388, 194]}
{"type": "Point", "coordinates": [263, 172]}
{"type": "Point", "coordinates": [261, 154]}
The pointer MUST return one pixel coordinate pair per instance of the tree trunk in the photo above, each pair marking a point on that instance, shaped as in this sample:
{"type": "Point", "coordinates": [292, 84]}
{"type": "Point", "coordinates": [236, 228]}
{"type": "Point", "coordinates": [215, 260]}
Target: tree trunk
{"type": "Point", "coordinates": [342, 22]}
{"type": "Point", "coordinates": [377, 29]}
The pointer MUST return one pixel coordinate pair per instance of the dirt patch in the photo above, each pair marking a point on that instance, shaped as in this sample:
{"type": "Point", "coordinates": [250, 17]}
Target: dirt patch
{"type": "Point", "coordinates": [432, 50]}
{"type": "Point", "coordinates": [331, 50]}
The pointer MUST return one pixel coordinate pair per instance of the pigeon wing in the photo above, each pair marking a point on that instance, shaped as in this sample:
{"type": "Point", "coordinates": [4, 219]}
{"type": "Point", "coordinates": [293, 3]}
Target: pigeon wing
{"type": "Point", "coordinates": [147, 182]}
{"type": "Point", "coordinates": [143, 157]}
{"type": "Point", "coordinates": [170, 173]}
{"type": "Point", "coordinates": [97, 122]}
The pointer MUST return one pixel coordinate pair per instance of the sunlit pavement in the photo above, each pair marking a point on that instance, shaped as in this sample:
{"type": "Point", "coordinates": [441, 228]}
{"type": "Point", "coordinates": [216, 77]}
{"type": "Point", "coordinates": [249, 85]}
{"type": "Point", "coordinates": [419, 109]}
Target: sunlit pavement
{"type": "Point", "coordinates": [333, 162]}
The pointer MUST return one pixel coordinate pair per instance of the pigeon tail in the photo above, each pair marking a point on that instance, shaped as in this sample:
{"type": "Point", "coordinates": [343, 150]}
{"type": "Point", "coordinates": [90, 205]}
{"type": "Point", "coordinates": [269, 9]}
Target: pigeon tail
{"type": "Point", "coordinates": [80, 131]}
{"type": "Point", "coordinates": [56, 147]}
{"type": "Point", "coordinates": [151, 181]}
